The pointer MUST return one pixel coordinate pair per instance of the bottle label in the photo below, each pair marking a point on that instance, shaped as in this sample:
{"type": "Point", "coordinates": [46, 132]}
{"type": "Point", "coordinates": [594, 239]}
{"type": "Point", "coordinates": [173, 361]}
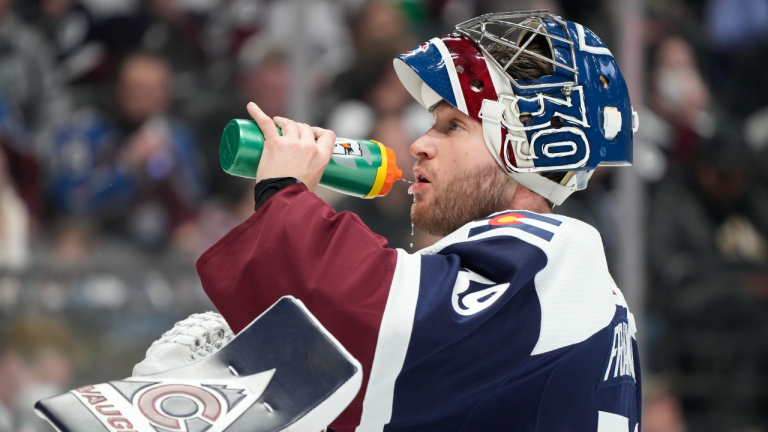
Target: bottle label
{"type": "Point", "coordinates": [347, 147]}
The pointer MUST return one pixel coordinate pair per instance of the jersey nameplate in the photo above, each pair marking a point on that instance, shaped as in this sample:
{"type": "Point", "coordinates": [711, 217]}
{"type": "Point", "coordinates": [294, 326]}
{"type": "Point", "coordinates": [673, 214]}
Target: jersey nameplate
{"type": "Point", "coordinates": [620, 367]}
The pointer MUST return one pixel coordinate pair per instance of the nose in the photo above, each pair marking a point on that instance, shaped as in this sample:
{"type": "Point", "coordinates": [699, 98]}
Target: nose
{"type": "Point", "coordinates": [424, 147]}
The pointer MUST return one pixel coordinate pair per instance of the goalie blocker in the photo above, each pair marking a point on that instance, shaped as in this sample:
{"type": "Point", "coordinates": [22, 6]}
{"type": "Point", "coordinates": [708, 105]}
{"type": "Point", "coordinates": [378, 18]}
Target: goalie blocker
{"type": "Point", "coordinates": [284, 372]}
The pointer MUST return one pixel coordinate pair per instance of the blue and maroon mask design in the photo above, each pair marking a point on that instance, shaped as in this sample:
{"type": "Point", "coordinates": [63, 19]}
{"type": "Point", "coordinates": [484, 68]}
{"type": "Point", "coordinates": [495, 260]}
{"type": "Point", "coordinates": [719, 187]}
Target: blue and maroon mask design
{"type": "Point", "coordinates": [575, 119]}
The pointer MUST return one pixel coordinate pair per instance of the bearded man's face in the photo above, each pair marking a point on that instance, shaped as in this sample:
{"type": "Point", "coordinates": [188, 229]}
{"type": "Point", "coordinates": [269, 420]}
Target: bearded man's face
{"type": "Point", "coordinates": [457, 180]}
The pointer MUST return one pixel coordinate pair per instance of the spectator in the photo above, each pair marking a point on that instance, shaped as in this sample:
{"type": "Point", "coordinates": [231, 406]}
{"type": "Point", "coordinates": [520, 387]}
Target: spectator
{"type": "Point", "coordinates": [14, 224]}
{"type": "Point", "coordinates": [737, 30]}
{"type": "Point", "coordinates": [381, 24]}
{"type": "Point", "coordinates": [73, 32]}
{"type": "Point", "coordinates": [138, 173]}
{"type": "Point", "coordinates": [30, 95]}
{"type": "Point", "coordinates": [328, 50]}
{"type": "Point", "coordinates": [9, 386]}
{"type": "Point", "coordinates": [708, 251]}
{"type": "Point", "coordinates": [736, 24]}
{"type": "Point", "coordinates": [36, 361]}
{"type": "Point", "coordinates": [163, 27]}
{"type": "Point", "coordinates": [28, 80]}
{"type": "Point", "coordinates": [268, 84]}
{"type": "Point", "coordinates": [176, 34]}
{"type": "Point", "coordinates": [680, 98]}
{"type": "Point", "coordinates": [662, 410]}
{"type": "Point", "coordinates": [709, 219]}
{"type": "Point", "coordinates": [230, 200]}
{"type": "Point", "coordinates": [230, 24]}
{"type": "Point", "coordinates": [229, 207]}
{"type": "Point", "coordinates": [20, 166]}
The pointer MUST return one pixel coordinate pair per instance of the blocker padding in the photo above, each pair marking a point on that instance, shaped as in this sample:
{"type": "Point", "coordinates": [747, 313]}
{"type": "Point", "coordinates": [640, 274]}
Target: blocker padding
{"type": "Point", "coordinates": [284, 372]}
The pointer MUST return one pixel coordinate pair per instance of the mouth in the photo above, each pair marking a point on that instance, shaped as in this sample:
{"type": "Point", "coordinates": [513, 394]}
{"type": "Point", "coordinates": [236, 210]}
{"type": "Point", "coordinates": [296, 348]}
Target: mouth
{"type": "Point", "coordinates": [420, 177]}
{"type": "Point", "coordinates": [421, 181]}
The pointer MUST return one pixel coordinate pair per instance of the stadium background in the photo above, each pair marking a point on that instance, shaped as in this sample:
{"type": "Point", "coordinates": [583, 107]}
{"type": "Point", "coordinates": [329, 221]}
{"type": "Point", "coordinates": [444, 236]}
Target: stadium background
{"type": "Point", "coordinates": [110, 115]}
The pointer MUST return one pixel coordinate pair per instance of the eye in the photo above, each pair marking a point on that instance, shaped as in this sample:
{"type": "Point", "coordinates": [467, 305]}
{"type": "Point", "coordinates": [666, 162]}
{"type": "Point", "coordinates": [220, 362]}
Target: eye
{"type": "Point", "coordinates": [455, 126]}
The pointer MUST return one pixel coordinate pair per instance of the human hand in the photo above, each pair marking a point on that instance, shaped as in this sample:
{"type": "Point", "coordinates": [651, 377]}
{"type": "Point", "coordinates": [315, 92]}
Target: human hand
{"type": "Point", "coordinates": [145, 143]}
{"type": "Point", "coordinates": [302, 151]}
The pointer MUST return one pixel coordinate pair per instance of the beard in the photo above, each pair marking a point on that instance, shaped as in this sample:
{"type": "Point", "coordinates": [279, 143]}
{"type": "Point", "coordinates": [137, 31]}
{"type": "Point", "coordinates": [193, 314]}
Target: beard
{"type": "Point", "coordinates": [463, 198]}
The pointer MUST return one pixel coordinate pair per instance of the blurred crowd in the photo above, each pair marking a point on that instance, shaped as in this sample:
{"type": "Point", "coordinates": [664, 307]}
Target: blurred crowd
{"type": "Point", "coordinates": [110, 187]}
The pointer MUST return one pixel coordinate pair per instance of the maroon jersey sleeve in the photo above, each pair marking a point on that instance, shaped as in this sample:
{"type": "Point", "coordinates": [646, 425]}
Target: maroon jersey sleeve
{"type": "Point", "coordinates": [295, 244]}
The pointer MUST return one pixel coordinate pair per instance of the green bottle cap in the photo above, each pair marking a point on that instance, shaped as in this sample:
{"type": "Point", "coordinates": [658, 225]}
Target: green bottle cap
{"type": "Point", "coordinates": [240, 149]}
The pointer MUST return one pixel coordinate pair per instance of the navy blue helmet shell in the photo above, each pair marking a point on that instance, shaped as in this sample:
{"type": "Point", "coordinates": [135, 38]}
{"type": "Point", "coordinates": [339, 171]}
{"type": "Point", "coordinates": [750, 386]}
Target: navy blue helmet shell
{"type": "Point", "coordinates": [577, 118]}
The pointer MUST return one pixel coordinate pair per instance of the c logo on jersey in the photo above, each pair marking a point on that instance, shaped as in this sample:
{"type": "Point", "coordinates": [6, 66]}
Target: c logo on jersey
{"type": "Point", "coordinates": [473, 293]}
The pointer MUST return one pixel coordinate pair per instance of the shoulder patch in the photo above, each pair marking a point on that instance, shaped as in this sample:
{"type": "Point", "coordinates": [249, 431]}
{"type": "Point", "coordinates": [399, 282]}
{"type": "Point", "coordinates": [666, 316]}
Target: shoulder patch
{"type": "Point", "coordinates": [473, 293]}
{"type": "Point", "coordinates": [541, 226]}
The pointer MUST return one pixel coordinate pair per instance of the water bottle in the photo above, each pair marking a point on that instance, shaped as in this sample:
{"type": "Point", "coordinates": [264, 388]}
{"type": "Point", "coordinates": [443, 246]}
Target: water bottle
{"type": "Point", "coordinates": [361, 168]}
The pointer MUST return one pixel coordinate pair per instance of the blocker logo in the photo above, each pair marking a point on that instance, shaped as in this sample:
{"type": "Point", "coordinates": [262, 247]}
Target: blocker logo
{"type": "Point", "coordinates": [174, 405]}
{"type": "Point", "coordinates": [170, 406]}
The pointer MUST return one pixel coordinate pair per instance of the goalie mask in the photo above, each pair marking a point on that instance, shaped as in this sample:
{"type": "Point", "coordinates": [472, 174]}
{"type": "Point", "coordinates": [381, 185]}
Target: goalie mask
{"type": "Point", "coordinates": [571, 120]}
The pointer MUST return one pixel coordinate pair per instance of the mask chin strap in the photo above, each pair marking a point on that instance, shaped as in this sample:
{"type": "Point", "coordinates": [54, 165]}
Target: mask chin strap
{"type": "Point", "coordinates": [554, 192]}
{"type": "Point", "coordinates": [491, 115]}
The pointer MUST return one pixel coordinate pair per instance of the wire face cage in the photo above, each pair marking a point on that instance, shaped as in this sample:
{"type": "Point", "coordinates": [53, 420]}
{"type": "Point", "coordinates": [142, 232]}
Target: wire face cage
{"type": "Point", "coordinates": [516, 31]}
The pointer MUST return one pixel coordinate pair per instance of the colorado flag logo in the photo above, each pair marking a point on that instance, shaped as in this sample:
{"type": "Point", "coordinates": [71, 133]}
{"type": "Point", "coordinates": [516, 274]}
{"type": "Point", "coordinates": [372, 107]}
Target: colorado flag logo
{"type": "Point", "coordinates": [532, 223]}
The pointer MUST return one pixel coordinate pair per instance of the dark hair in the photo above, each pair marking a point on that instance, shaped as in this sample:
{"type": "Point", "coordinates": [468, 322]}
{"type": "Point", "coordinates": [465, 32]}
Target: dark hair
{"type": "Point", "coordinates": [528, 67]}
{"type": "Point", "coordinates": [525, 66]}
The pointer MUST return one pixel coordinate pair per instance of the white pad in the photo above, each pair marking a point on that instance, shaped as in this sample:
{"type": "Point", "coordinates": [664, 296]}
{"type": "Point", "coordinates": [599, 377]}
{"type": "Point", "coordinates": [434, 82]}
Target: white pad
{"type": "Point", "coordinates": [611, 122]}
{"type": "Point", "coordinates": [429, 97]}
{"type": "Point", "coordinates": [490, 114]}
